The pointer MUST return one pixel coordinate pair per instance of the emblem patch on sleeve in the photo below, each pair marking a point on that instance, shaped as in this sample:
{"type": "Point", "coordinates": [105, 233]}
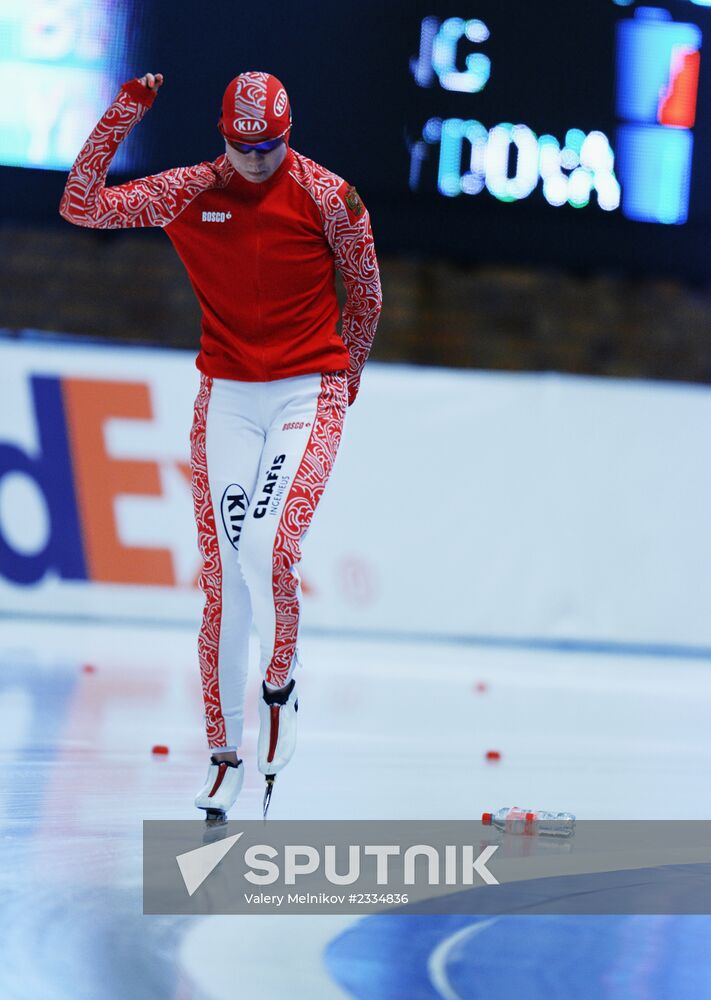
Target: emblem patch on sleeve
{"type": "Point", "coordinates": [355, 205]}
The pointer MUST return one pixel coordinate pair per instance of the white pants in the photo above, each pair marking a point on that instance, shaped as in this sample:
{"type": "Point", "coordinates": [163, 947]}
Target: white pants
{"type": "Point", "coordinates": [261, 454]}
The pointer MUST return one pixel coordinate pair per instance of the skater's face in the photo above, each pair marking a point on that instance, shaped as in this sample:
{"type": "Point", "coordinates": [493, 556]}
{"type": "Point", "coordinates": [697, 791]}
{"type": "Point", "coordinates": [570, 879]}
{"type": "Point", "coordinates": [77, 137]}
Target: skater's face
{"type": "Point", "coordinates": [258, 163]}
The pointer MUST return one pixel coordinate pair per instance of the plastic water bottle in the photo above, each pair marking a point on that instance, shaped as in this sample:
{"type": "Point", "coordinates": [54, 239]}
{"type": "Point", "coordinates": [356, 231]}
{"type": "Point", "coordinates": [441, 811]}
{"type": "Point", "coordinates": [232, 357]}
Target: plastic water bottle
{"type": "Point", "coordinates": [530, 822]}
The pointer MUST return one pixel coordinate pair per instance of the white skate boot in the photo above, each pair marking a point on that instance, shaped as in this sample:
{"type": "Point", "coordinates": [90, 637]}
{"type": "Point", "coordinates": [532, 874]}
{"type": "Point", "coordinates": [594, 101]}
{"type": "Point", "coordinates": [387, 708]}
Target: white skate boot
{"type": "Point", "coordinates": [277, 733]}
{"type": "Point", "coordinates": [222, 786]}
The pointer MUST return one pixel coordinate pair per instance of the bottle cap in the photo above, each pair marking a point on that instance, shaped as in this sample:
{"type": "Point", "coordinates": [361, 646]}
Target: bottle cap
{"type": "Point", "coordinates": [486, 818]}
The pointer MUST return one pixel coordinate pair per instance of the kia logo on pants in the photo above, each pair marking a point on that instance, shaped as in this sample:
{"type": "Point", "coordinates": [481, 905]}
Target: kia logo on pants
{"type": "Point", "coordinates": [234, 510]}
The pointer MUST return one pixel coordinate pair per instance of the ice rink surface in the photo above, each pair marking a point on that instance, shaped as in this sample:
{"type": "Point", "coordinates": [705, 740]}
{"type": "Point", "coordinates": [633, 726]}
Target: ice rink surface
{"type": "Point", "coordinates": [388, 730]}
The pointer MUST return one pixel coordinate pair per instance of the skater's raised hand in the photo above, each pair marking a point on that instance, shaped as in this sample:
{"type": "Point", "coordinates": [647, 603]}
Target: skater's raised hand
{"type": "Point", "coordinates": [154, 81]}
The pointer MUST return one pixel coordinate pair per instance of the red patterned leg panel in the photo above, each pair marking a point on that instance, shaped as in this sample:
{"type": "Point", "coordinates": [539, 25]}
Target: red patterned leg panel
{"type": "Point", "coordinates": [305, 492]}
{"type": "Point", "coordinates": [211, 575]}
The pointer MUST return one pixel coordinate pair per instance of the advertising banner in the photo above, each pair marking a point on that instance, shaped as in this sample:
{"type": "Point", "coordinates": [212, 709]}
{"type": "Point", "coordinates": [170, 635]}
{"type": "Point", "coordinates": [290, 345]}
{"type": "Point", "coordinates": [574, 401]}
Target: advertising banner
{"type": "Point", "coordinates": [531, 508]}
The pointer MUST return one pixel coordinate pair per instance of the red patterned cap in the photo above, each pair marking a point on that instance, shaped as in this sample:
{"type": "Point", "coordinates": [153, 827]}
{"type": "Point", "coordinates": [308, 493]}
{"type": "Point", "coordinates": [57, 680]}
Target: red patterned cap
{"type": "Point", "coordinates": [255, 108]}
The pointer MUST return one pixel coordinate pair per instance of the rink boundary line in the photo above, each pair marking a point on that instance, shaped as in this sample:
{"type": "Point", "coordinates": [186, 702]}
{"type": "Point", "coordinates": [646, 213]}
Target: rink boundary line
{"type": "Point", "coordinates": [604, 647]}
{"type": "Point", "coordinates": [594, 646]}
{"type": "Point", "coordinates": [437, 960]}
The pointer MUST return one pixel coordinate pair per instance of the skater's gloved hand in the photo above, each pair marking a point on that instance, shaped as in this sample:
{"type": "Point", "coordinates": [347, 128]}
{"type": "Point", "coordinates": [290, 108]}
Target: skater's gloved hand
{"type": "Point", "coordinates": [154, 81]}
{"type": "Point", "coordinates": [143, 89]}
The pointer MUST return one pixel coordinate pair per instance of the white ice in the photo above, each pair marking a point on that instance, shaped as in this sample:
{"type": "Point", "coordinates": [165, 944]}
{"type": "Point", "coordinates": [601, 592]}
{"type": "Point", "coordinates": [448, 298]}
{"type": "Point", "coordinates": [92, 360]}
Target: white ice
{"type": "Point", "coordinates": [387, 730]}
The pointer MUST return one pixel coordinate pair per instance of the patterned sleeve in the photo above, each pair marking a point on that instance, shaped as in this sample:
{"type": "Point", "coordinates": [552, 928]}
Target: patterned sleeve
{"type": "Point", "coordinates": [150, 201]}
{"type": "Point", "coordinates": [348, 230]}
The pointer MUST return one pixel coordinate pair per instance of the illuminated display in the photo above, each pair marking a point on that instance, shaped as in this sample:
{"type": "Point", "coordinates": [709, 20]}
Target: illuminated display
{"type": "Point", "coordinates": [572, 132]}
{"type": "Point", "coordinates": [585, 164]}
{"type": "Point", "coordinates": [60, 65]}
{"type": "Point", "coordinates": [643, 171]}
{"type": "Point", "coordinates": [438, 55]}
{"type": "Point", "coordinates": [658, 63]}
{"type": "Point", "coordinates": [509, 161]}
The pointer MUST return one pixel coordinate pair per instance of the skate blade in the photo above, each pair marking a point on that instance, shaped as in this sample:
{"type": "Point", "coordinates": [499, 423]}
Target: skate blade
{"type": "Point", "coordinates": [269, 778]}
{"type": "Point", "coordinates": [215, 817]}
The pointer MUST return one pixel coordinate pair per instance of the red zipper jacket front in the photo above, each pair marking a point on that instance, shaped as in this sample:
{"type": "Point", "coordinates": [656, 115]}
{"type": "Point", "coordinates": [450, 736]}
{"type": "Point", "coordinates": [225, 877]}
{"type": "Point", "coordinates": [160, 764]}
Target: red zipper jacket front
{"type": "Point", "coordinates": [261, 257]}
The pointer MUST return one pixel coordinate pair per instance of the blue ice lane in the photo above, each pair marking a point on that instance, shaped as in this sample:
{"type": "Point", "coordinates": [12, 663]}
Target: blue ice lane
{"type": "Point", "coordinates": [49, 690]}
{"type": "Point", "coordinates": [538, 957]}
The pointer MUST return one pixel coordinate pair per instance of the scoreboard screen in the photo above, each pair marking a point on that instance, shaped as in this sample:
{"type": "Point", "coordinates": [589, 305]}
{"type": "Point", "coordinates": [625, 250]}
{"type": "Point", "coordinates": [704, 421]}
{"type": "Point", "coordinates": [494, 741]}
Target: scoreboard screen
{"type": "Point", "coordinates": [627, 147]}
{"type": "Point", "coordinates": [60, 65]}
{"type": "Point", "coordinates": [574, 133]}
{"type": "Point", "coordinates": [570, 132]}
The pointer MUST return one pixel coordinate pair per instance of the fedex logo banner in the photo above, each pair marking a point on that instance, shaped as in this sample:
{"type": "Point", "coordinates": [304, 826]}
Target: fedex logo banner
{"type": "Point", "coordinates": [96, 509]}
{"type": "Point", "coordinates": [80, 481]}
{"type": "Point", "coordinates": [95, 479]}
{"type": "Point", "coordinates": [96, 513]}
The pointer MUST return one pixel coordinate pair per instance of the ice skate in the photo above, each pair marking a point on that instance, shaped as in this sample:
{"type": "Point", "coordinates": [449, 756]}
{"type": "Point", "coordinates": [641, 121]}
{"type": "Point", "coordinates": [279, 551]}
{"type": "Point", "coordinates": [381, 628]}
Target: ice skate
{"type": "Point", "coordinates": [222, 786]}
{"type": "Point", "coordinates": [277, 734]}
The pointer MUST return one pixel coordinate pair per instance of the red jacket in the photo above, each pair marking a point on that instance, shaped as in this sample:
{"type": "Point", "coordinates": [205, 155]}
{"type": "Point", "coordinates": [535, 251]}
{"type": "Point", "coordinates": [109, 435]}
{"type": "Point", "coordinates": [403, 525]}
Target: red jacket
{"type": "Point", "coordinates": [260, 257]}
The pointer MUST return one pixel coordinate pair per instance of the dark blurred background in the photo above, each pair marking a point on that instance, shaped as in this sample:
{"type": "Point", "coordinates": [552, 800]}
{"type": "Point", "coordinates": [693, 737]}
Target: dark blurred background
{"type": "Point", "coordinates": [537, 174]}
